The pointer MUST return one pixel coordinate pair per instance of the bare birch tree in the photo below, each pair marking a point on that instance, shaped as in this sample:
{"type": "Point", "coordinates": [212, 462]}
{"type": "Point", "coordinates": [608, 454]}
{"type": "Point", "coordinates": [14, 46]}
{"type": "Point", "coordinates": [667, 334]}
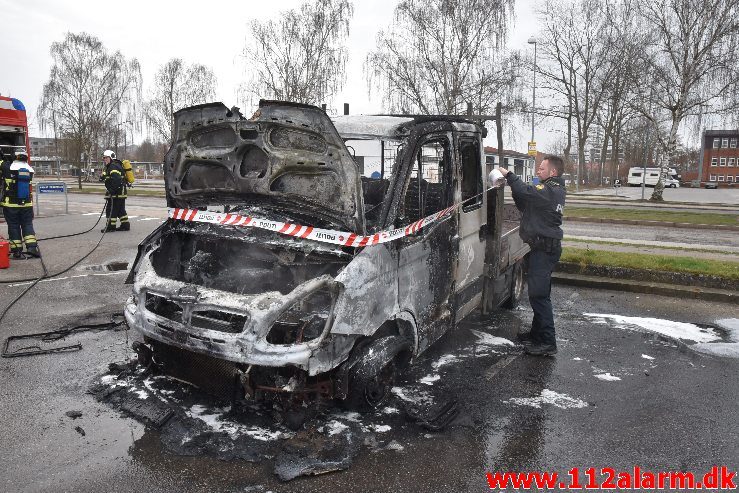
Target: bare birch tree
{"type": "Point", "coordinates": [438, 55]}
{"type": "Point", "coordinates": [177, 85]}
{"type": "Point", "coordinates": [576, 64]}
{"type": "Point", "coordinates": [89, 91]}
{"type": "Point", "coordinates": [301, 55]}
{"type": "Point", "coordinates": [693, 62]}
{"type": "Point", "coordinates": [625, 41]}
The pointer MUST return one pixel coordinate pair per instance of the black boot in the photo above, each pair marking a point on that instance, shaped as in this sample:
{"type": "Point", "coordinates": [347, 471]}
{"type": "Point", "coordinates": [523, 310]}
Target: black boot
{"type": "Point", "coordinates": [109, 228]}
{"type": "Point", "coordinates": [525, 338]}
{"type": "Point", "coordinates": [33, 251]}
{"type": "Point", "coordinates": [539, 349]}
{"type": "Point", "coordinates": [124, 227]}
{"type": "Point", "coordinates": [18, 255]}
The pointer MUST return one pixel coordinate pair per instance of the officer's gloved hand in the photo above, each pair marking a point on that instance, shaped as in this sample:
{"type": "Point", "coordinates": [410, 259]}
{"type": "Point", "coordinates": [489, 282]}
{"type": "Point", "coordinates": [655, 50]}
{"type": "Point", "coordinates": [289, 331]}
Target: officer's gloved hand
{"type": "Point", "coordinates": [101, 178]}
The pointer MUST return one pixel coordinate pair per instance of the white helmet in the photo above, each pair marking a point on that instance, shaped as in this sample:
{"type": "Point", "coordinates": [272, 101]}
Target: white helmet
{"type": "Point", "coordinates": [109, 153]}
{"type": "Point", "coordinates": [21, 156]}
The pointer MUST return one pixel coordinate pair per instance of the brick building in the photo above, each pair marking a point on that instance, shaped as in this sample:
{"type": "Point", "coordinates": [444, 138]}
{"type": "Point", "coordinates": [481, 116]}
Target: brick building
{"type": "Point", "coordinates": [720, 157]}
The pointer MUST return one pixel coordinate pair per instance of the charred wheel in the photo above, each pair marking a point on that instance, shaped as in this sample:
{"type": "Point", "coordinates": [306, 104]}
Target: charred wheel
{"type": "Point", "coordinates": [516, 287]}
{"type": "Point", "coordinates": [372, 376]}
{"type": "Point", "coordinates": [368, 392]}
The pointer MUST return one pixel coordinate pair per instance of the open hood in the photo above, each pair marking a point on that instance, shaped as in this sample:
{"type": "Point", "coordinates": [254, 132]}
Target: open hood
{"type": "Point", "coordinates": [287, 156]}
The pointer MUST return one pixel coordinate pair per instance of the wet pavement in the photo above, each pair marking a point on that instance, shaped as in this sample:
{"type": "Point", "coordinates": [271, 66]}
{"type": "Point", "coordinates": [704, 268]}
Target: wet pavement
{"type": "Point", "coordinates": [657, 389]}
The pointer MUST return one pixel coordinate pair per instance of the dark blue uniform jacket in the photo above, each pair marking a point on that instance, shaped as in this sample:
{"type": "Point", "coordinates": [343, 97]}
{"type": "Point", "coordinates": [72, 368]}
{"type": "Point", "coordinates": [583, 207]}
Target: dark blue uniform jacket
{"type": "Point", "coordinates": [542, 206]}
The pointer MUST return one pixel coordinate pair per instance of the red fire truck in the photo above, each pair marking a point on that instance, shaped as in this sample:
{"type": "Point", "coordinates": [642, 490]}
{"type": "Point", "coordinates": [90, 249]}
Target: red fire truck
{"type": "Point", "coordinates": [13, 127]}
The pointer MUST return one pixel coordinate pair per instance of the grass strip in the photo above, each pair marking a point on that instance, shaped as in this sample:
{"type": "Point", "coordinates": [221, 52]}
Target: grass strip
{"type": "Point", "coordinates": [664, 263]}
{"type": "Point", "coordinates": [640, 245]}
{"type": "Point", "coordinates": [653, 215]}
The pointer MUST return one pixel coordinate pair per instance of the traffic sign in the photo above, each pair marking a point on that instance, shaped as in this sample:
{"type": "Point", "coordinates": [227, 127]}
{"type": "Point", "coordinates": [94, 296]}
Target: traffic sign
{"type": "Point", "coordinates": [532, 148]}
{"type": "Point", "coordinates": [51, 187]}
{"type": "Point", "coordinates": [47, 187]}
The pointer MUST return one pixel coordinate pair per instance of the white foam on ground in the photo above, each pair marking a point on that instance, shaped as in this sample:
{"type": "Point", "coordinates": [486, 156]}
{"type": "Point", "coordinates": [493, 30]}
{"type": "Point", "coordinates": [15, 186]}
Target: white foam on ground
{"type": "Point", "coordinates": [491, 340]}
{"type": "Point", "coordinates": [646, 356]}
{"type": "Point", "coordinates": [391, 410]}
{"type": "Point", "coordinates": [430, 379]}
{"type": "Point", "coordinates": [216, 423]}
{"type": "Point", "coordinates": [381, 428]}
{"type": "Point", "coordinates": [607, 377]}
{"type": "Point", "coordinates": [550, 397]}
{"type": "Point", "coordinates": [576, 358]}
{"type": "Point", "coordinates": [668, 328]}
{"type": "Point", "coordinates": [730, 325]}
{"type": "Point", "coordinates": [393, 445]}
{"type": "Point", "coordinates": [141, 394]}
{"type": "Point", "coordinates": [445, 360]}
{"type": "Point", "coordinates": [724, 349]}
{"type": "Point", "coordinates": [410, 395]}
{"type": "Point", "coordinates": [335, 427]}
{"type": "Point", "coordinates": [352, 416]}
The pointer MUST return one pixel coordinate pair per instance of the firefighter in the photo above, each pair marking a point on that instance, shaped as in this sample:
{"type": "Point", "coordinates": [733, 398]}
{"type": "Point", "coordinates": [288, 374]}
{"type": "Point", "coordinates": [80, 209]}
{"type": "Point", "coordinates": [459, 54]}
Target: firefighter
{"type": "Point", "coordinates": [542, 206]}
{"type": "Point", "coordinates": [18, 205]}
{"type": "Point", "coordinates": [116, 186]}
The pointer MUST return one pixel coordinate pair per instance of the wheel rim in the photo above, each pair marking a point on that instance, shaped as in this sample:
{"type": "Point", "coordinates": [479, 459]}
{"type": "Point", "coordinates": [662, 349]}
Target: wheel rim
{"type": "Point", "coordinates": [517, 283]}
{"type": "Point", "coordinates": [377, 390]}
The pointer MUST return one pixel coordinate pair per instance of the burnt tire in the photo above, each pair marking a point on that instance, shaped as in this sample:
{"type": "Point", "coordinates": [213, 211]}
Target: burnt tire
{"type": "Point", "coordinates": [369, 392]}
{"type": "Point", "coordinates": [515, 291]}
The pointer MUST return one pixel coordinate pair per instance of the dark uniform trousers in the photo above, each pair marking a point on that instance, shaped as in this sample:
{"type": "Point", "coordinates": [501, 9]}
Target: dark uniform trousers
{"type": "Point", "coordinates": [541, 265]}
{"type": "Point", "coordinates": [542, 206]}
{"type": "Point", "coordinates": [115, 184]}
{"type": "Point", "coordinates": [116, 209]}
{"type": "Point", "coordinates": [20, 227]}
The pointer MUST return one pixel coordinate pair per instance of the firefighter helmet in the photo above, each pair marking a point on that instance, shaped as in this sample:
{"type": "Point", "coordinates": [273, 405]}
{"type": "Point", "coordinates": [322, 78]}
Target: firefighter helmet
{"type": "Point", "coordinates": [109, 153]}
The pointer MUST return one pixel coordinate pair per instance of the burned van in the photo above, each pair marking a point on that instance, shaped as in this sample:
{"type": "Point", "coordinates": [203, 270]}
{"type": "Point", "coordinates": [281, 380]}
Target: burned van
{"type": "Point", "coordinates": [267, 313]}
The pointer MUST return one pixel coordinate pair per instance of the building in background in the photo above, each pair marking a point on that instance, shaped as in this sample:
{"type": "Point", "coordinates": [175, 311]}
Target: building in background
{"type": "Point", "coordinates": [44, 147]}
{"type": "Point", "coordinates": [520, 163]}
{"type": "Point", "coordinates": [720, 164]}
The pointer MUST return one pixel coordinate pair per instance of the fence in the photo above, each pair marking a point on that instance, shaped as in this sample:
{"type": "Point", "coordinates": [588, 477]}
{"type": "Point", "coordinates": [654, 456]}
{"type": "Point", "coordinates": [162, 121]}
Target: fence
{"type": "Point", "coordinates": [43, 167]}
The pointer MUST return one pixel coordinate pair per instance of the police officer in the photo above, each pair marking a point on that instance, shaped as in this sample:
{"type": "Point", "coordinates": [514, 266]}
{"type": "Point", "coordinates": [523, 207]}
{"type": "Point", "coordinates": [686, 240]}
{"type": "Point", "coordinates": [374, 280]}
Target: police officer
{"type": "Point", "coordinates": [542, 206]}
{"type": "Point", "coordinates": [18, 205]}
{"type": "Point", "coordinates": [115, 184]}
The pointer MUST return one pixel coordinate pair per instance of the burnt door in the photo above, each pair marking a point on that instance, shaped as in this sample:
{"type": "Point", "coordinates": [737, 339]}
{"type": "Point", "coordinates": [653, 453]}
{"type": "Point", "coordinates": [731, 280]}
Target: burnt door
{"type": "Point", "coordinates": [472, 222]}
{"type": "Point", "coordinates": [426, 260]}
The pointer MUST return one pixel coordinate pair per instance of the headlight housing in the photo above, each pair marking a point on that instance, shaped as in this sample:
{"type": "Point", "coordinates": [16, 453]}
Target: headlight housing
{"type": "Point", "coordinates": [306, 320]}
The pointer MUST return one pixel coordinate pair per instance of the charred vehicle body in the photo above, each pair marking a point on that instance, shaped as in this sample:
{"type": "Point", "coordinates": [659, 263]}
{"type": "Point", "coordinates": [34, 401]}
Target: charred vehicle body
{"type": "Point", "coordinates": [264, 314]}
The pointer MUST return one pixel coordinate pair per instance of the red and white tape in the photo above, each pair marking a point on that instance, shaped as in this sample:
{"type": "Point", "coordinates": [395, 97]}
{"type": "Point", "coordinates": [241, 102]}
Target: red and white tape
{"type": "Point", "coordinates": [307, 232]}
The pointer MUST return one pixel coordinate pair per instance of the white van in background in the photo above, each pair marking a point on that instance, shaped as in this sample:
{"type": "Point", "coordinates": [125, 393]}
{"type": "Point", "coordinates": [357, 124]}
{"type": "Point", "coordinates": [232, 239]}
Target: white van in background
{"type": "Point", "coordinates": [650, 176]}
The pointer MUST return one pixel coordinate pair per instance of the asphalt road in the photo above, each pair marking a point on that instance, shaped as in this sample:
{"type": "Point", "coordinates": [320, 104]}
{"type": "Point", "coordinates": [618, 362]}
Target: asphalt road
{"type": "Point", "coordinates": [616, 395]}
{"type": "Point", "coordinates": [677, 237]}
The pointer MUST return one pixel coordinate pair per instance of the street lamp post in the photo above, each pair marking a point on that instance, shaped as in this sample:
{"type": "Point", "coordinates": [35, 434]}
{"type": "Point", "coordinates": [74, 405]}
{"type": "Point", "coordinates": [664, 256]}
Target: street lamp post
{"type": "Point", "coordinates": [532, 41]}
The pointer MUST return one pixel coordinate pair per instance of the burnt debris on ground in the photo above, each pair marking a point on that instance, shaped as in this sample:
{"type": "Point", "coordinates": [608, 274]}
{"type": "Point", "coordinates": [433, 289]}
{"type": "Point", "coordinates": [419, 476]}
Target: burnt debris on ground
{"type": "Point", "coordinates": [191, 422]}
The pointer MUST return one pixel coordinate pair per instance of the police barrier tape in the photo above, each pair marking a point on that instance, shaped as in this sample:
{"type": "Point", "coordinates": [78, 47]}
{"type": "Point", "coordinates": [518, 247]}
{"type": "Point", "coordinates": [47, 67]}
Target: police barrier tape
{"type": "Point", "coordinates": [307, 232]}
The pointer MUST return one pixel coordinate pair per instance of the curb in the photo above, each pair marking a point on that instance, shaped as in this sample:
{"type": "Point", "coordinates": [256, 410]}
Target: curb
{"type": "Point", "coordinates": [669, 224]}
{"type": "Point", "coordinates": [708, 294]}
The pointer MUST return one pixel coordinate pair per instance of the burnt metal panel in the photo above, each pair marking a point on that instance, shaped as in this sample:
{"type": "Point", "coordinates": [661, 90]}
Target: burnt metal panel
{"type": "Point", "coordinates": [286, 155]}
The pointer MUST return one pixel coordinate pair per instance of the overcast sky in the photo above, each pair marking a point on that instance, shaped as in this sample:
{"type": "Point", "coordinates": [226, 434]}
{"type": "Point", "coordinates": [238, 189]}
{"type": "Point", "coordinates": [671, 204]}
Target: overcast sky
{"type": "Point", "coordinates": [212, 33]}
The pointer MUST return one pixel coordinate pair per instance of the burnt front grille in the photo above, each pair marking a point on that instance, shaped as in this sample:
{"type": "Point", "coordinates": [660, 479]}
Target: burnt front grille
{"type": "Point", "coordinates": [218, 321]}
{"type": "Point", "coordinates": [163, 307]}
{"type": "Point", "coordinates": [212, 375]}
